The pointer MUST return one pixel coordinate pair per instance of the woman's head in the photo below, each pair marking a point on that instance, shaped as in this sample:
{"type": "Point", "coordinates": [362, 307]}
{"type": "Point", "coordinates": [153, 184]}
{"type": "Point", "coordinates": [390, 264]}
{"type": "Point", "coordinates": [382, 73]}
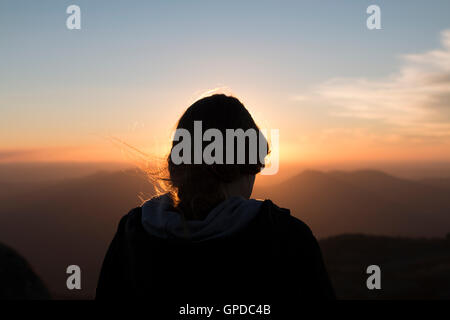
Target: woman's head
{"type": "Point", "coordinates": [197, 187]}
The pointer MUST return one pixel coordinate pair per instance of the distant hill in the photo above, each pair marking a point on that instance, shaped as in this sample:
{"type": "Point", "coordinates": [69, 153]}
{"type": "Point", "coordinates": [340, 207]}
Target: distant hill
{"type": "Point", "coordinates": [437, 182]}
{"type": "Point", "coordinates": [410, 268]}
{"type": "Point", "coordinates": [363, 201]}
{"type": "Point", "coordinates": [18, 281]}
{"type": "Point", "coordinates": [71, 221]}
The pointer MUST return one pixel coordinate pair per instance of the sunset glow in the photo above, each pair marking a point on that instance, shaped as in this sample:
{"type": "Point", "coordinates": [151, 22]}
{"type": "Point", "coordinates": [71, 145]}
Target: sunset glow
{"type": "Point", "coordinates": [64, 102]}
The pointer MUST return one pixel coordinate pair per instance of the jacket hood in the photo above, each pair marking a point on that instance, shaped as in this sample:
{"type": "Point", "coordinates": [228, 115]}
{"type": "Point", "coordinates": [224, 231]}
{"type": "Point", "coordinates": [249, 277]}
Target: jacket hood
{"type": "Point", "coordinates": [159, 219]}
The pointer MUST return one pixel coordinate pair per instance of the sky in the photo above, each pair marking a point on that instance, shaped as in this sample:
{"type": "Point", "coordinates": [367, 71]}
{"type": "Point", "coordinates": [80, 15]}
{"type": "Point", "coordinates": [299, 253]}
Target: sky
{"type": "Point", "coordinates": [336, 90]}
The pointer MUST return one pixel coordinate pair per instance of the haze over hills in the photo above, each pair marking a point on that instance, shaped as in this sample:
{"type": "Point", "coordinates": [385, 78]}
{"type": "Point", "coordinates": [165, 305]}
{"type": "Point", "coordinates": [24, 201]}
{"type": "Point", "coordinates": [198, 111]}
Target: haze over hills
{"type": "Point", "coordinates": [71, 221]}
{"type": "Point", "coordinates": [437, 182]}
{"type": "Point", "coordinates": [364, 201]}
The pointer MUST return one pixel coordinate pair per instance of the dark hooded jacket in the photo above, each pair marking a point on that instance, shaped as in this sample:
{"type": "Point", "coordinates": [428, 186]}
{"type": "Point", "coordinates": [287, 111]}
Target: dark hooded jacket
{"type": "Point", "coordinates": [243, 251]}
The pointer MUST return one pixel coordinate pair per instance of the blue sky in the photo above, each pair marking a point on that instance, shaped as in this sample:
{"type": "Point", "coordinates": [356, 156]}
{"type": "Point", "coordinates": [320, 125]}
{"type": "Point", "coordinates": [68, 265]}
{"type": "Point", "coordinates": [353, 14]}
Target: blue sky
{"type": "Point", "coordinates": [305, 40]}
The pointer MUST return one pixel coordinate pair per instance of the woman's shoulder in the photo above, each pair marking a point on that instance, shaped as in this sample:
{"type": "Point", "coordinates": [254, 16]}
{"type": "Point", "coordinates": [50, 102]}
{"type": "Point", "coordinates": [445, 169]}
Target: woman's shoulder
{"type": "Point", "coordinates": [285, 221]}
{"type": "Point", "coordinates": [130, 221]}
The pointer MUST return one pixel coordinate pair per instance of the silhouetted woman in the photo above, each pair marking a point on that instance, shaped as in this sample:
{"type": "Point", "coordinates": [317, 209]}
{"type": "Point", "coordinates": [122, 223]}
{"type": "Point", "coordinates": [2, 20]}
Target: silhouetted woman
{"type": "Point", "coordinates": [205, 240]}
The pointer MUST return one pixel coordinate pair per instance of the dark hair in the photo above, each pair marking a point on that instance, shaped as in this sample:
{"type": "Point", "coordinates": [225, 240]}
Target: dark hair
{"type": "Point", "coordinates": [196, 188]}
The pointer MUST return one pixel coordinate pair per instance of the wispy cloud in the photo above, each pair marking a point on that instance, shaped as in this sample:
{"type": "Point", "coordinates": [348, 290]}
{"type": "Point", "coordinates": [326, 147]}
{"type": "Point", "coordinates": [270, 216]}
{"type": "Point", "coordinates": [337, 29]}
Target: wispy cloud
{"type": "Point", "coordinates": [414, 101]}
